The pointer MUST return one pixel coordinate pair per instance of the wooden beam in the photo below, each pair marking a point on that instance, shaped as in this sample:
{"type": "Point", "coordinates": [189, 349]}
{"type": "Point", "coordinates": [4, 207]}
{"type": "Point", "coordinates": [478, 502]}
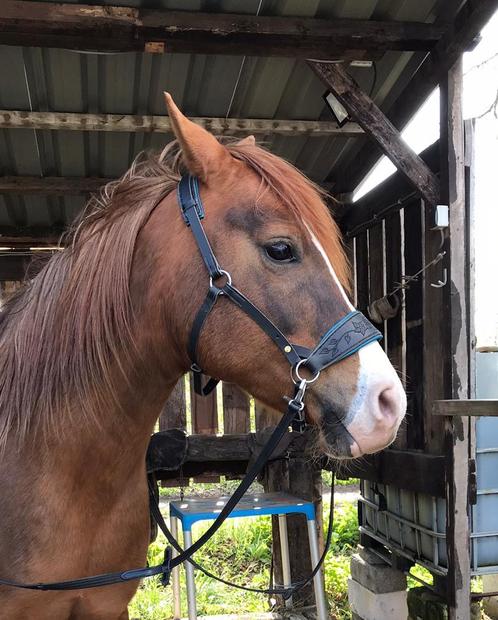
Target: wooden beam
{"type": "Point", "coordinates": [85, 27]}
{"type": "Point", "coordinates": [385, 199]}
{"type": "Point", "coordinates": [17, 119]}
{"type": "Point", "coordinates": [378, 127]}
{"type": "Point", "coordinates": [457, 430]}
{"type": "Point", "coordinates": [460, 37]}
{"type": "Point", "coordinates": [58, 186]}
{"type": "Point", "coordinates": [474, 408]}
{"type": "Point", "coordinates": [414, 471]}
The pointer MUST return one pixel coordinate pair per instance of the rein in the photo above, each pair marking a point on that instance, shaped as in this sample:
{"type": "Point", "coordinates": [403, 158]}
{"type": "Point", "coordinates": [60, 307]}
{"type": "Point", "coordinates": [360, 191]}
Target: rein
{"type": "Point", "coordinates": [344, 338]}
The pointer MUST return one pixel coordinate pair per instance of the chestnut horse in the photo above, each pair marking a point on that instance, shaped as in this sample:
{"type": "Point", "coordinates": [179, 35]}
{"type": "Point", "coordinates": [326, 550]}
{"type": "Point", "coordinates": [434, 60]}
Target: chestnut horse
{"type": "Point", "coordinates": [93, 345]}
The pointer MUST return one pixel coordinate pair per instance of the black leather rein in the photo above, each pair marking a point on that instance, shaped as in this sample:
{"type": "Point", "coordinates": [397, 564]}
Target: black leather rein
{"type": "Point", "coordinates": [344, 338]}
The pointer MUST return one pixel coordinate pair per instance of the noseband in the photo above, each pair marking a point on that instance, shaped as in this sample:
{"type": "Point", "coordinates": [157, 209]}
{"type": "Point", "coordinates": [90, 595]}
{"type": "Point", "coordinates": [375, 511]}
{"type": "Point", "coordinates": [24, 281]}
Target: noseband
{"type": "Point", "coordinates": [344, 338]}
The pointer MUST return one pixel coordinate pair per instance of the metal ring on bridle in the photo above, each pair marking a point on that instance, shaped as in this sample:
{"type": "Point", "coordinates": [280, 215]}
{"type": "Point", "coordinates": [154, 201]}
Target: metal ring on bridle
{"type": "Point", "coordinates": [296, 377]}
{"type": "Point", "coordinates": [222, 273]}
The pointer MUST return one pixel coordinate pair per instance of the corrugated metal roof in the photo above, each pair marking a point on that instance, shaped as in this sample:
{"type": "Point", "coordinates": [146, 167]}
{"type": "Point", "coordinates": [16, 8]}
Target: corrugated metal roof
{"type": "Point", "coordinates": [132, 83]}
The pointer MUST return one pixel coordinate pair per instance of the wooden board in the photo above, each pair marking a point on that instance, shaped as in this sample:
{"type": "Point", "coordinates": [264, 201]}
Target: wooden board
{"type": "Point", "coordinates": [395, 327]}
{"type": "Point", "coordinates": [436, 337]}
{"type": "Point", "coordinates": [235, 410]}
{"type": "Point", "coordinates": [465, 407]}
{"type": "Point", "coordinates": [115, 28]}
{"type": "Point", "coordinates": [414, 261]}
{"type": "Point", "coordinates": [376, 267]}
{"type": "Point", "coordinates": [265, 416]}
{"type": "Point", "coordinates": [130, 123]}
{"type": "Point", "coordinates": [174, 413]}
{"type": "Point", "coordinates": [362, 292]}
{"type": "Point", "coordinates": [204, 412]}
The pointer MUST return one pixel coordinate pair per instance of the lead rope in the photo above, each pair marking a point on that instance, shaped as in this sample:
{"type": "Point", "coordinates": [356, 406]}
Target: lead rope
{"type": "Point", "coordinates": [285, 592]}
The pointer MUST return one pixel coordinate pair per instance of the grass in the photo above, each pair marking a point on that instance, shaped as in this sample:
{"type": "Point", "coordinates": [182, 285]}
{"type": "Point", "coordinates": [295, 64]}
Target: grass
{"type": "Point", "coordinates": [240, 552]}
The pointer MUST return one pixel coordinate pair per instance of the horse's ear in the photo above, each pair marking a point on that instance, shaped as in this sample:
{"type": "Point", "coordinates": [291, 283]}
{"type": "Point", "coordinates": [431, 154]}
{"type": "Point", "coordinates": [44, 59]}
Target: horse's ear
{"type": "Point", "coordinates": [202, 154]}
{"type": "Point", "coordinates": [247, 141]}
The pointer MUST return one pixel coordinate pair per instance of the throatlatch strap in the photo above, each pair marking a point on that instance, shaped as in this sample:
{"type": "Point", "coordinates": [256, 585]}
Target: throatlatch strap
{"type": "Point", "coordinates": [200, 317]}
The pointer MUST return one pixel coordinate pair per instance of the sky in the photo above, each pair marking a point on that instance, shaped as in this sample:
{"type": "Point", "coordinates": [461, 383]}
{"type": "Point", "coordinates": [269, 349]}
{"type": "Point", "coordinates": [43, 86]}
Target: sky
{"type": "Point", "coordinates": [480, 89]}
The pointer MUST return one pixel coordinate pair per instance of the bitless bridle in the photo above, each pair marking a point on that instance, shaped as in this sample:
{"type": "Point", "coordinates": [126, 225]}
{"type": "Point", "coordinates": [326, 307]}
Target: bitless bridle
{"type": "Point", "coordinates": [344, 338]}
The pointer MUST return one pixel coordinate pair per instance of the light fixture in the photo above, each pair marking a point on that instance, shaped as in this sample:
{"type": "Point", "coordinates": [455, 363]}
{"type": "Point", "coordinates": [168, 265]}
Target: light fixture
{"type": "Point", "coordinates": [335, 106]}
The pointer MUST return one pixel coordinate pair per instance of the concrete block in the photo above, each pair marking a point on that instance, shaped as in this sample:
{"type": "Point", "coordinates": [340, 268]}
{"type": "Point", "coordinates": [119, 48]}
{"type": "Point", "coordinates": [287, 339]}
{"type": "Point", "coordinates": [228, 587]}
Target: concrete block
{"type": "Point", "coordinates": [370, 571]}
{"type": "Point", "coordinates": [368, 605]}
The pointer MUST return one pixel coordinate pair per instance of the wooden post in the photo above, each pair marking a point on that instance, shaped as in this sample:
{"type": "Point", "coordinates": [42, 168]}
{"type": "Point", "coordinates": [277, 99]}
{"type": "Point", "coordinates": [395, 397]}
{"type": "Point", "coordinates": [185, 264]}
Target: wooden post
{"type": "Point", "coordinates": [302, 478]}
{"type": "Point", "coordinates": [457, 429]}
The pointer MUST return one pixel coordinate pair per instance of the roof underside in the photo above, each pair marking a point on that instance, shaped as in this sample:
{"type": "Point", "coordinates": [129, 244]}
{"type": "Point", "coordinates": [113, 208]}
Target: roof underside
{"type": "Point", "coordinates": [36, 79]}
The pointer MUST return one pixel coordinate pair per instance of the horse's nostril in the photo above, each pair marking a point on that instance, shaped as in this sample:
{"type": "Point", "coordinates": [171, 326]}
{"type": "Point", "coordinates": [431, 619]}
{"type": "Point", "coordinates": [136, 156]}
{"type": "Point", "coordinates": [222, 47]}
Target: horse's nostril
{"type": "Point", "coordinates": [389, 404]}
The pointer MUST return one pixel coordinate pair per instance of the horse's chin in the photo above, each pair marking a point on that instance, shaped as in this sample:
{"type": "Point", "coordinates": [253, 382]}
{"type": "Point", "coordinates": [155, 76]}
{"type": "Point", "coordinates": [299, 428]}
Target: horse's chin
{"type": "Point", "coordinates": [337, 446]}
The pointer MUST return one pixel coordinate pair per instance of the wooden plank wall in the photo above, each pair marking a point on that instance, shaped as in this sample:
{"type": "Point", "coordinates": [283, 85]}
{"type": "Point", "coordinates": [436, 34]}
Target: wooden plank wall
{"type": "Point", "coordinates": [415, 339]}
{"type": "Point", "coordinates": [227, 410]}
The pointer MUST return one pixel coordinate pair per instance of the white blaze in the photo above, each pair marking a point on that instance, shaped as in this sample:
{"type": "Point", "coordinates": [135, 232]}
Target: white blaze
{"type": "Point", "coordinates": [365, 420]}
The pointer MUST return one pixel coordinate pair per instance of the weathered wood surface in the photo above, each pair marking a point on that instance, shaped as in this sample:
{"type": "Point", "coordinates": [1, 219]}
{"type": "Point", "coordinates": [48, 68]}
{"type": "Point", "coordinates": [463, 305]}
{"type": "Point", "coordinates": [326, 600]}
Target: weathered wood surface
{"type": "Point", "coordinates": [18, 119]}
{"type": "Point", "coordinates": [414, 316]}
{"type": "Point", "coordinates": [436, 345]}
{"type": "Point", "coordinates": [457, 429]}
{"type": "Point", "coordinates": [362, 292]}
{"type": "Point", "coordinates": [204, 416]}
{"type": "Point", "coordinates": [474, 408]}
{"type": "Point", "coordinates": [387, 198]}
{"type": "Point", "coordinates": [376, 267]}
{"type": "Point", "coordinates": [409, 470]}
{"type": "Point", "coordinates": [56, 186]}
{"type": "Point", "coordinates": [174, 413]}
{"type": "Point", "coordinates": [395, 327]}
{"type": "Point", "coordinates": [235, 409]}
{"type": "Point", "coordinates": [460, 36]}
{"type": "Point", "coordinates": [300, 477]}
{"type": "Point", "coordinates": [376, 125]}
{"type": "Point", "coordinates": [85, 27]}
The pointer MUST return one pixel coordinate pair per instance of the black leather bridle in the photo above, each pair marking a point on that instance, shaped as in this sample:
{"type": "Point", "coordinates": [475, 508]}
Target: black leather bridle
{"type": "Point", "coordinates": [343, 339]}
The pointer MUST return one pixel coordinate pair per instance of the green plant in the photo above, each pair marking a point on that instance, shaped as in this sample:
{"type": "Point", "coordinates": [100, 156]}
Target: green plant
{"type": "Point", "coordinates": [339, 482]}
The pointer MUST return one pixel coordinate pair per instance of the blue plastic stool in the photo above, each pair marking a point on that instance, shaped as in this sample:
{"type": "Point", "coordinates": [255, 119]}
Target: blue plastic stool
{"type": "Point", "coordinates": [189, 511]}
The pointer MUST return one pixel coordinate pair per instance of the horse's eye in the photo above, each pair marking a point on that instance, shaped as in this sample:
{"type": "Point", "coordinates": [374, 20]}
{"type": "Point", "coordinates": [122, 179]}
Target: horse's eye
{"type": "Point", "coordinates": [280, 251]}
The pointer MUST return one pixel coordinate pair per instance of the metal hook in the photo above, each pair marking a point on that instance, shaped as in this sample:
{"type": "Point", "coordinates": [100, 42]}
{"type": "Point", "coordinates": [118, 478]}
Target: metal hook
{"type": "Point", "coordinates": [441, 283]}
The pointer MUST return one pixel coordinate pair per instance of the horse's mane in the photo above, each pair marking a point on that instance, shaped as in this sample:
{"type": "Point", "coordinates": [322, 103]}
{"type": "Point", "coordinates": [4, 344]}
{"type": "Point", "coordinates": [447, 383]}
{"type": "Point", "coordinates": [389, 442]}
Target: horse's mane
{"type": "Point", "coordinates": [64, 332]}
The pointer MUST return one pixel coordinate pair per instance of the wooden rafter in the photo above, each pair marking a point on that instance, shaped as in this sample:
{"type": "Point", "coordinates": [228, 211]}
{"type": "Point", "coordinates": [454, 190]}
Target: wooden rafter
{"type": "Point", "coordinates": [461, 37]}
{"type": "Point", "coordinates": [85, 27]}
{"type": "Point", "coordinates": [377, 126]}
{"type": "Point", "coordinates": [17, 119]}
